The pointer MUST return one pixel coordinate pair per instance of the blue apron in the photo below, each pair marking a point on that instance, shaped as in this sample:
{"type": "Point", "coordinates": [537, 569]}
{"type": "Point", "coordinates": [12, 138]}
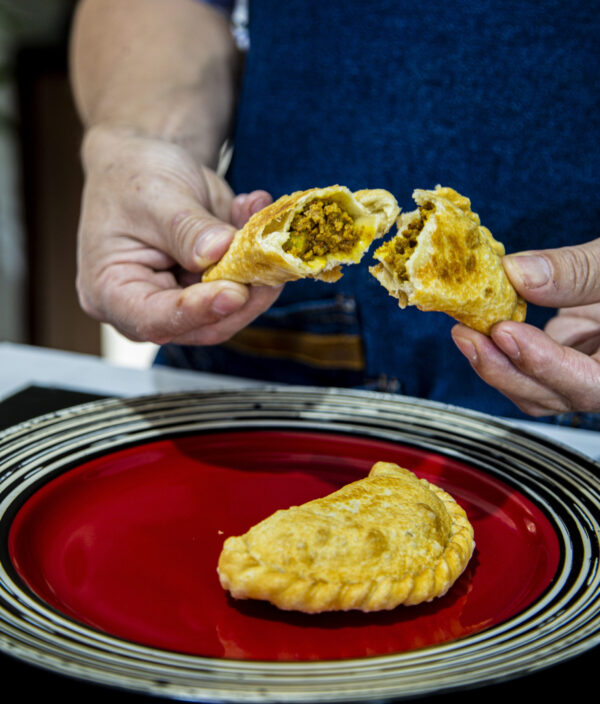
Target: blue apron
{"type": "Point", "coordinates": [495, 98]}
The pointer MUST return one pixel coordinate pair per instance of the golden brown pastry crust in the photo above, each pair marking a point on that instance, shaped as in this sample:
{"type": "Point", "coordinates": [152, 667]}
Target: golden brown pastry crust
{"type": "Point", "coordinates": [385, 540]}
{"type": "Point", "coordinates": [256, 254]}
{"type": "Point", "coordinates": [456, 266]}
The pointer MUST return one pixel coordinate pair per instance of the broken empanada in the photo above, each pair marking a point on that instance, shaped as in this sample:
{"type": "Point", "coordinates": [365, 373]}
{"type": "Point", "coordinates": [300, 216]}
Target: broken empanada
{"type": "Point", "coordinates": [385, 540]}
{"type": "Point", "coordinates": [306, 234]}
{"type": "Point", "coordinates": [443, 259]}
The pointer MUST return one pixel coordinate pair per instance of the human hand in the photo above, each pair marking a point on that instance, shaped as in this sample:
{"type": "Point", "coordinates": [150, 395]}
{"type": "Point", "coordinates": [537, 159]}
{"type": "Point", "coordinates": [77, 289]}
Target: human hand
{"type": "Point", "coordinates": [151, 222]}
{"type": "Point", "coordinates": [558, 370]}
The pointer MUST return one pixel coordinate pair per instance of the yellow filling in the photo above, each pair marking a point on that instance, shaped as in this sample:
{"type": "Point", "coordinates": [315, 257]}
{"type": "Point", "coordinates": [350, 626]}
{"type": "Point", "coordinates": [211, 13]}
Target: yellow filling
{"type": "Point", "coordinates": [395, 253]}
{"type": "Point", "coordinates": [322, 228]}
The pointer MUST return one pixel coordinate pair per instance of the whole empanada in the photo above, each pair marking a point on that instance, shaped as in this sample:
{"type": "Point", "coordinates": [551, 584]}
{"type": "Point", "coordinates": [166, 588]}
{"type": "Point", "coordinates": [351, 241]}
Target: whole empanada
{"type": "Point", "coordinates": [443, 259]}
{"type": "Point", "coordinates": [306, 234]}
{"type": "Point", "coordinates": [385, 540]}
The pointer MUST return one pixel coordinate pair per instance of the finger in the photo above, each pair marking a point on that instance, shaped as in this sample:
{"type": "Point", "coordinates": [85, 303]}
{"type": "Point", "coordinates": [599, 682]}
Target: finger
{"type": "Point", "coordinates": [196, 238]}
{"type": "Point", "coordinates": [186, 278]}
{"type": "Point", "coordinates": [591, 311]}
{"type": "Point", "coordinates": [574, 331]}
{"type": "Point", "coordinates": [261, 298]}
{"type": "Point", "coordinates": [567, 372]}
{"type": "Point", "coordinates": [246, 204]}
{"type": "Point", "coordinates": [150, 307]}
{"type": "Point", "coordinates": [567, 276]}
{"type": "Point", "coordinates": [220, 195]}
{"type": "Point", "coordinates": [236, 209]}
{"type": "Point", "coordinates": [496, 369]}
{"type": "Point", "coordinates": [189, 218]}
{"type": "Point", "coordinates": [193, 236]}
{"type": "Point", "coordinates": [589, 346]}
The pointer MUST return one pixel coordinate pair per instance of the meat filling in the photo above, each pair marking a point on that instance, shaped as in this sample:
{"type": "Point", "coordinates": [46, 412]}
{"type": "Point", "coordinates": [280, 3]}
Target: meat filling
{"type": "Point", "coordinates": [322, 228]}
{"type": "Point", "coordinates": [397, 251]}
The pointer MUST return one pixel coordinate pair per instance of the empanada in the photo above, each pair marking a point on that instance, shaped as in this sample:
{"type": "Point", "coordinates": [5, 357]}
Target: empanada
{"type": "Point", "coordinates": [306, 234]}
{"type": "Point", "coordinates": [385, 540]}
{"type": "Point", "coordinates": [443, 259]}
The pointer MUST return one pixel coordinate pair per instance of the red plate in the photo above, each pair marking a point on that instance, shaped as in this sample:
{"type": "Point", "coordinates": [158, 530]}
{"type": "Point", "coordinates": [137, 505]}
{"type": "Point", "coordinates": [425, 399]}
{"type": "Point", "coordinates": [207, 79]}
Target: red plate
{"type": "Point", "coordinates": [128, 543]}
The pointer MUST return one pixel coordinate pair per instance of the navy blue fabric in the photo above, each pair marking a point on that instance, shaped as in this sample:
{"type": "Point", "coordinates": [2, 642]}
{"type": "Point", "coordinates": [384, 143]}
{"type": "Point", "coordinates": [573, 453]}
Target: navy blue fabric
{"type": "Point", "coordinates": [495, 98]}
{"type": "Point", "coordinates": [225, 5]}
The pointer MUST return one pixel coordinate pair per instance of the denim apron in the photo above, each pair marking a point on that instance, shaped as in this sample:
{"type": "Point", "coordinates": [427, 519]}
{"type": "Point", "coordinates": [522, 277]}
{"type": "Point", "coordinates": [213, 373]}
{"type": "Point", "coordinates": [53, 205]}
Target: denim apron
{"type": "Point", "coordinates": [495, 98]}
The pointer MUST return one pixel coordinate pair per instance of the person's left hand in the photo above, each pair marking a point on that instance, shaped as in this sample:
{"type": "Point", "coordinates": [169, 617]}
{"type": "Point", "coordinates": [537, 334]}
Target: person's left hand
{"type": "Point", "coordinates": [557, 370]}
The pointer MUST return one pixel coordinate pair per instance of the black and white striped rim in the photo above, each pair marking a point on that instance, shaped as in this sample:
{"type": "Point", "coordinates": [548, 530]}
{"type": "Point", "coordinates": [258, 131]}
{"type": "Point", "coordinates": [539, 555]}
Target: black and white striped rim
{"type": "Point", "coordinates": [564, 622]}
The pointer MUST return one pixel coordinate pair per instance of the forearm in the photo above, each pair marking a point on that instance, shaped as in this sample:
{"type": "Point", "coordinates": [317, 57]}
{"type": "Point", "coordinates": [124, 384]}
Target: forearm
{"type": "Point", "coordinates": [163, 68]}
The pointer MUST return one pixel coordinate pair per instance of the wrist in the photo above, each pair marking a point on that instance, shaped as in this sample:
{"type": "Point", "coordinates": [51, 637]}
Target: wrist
{"type": "Point", "coordinates": [182, 126]}
{"type": "Point", "coordinates": [165, 70]}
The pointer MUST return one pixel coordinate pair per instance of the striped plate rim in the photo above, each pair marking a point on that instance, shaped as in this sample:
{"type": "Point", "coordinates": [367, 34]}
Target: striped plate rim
{"type": "Point", "coordinates": [562, 623]}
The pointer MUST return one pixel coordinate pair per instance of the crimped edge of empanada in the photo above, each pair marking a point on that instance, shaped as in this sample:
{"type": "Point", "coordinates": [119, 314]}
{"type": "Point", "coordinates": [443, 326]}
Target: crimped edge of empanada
{"type": "Point", "coordinates": [246, 577]}
{"type": "Point", "coordinates": [256, 255]}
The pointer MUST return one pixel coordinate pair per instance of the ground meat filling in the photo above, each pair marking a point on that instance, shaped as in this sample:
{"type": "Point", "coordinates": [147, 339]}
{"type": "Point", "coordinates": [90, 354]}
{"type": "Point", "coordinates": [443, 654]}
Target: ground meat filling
{"type": "Point", "coordinates": [323, 227]}
{"type": "Point", "coordinates": [397, 252]}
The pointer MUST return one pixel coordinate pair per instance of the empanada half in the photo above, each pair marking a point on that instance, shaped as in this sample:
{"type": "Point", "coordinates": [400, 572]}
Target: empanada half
{"type": "Point", "coordinates": [306, 234]}
{"type": "Point", "coordinates": [385, 540]}
{"type": "Point", "coordinates": [443, 259]}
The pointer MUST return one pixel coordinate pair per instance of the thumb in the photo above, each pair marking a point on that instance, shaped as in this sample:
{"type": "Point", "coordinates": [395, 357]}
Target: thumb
{"type": "Point", "coordinates": [194, 221]}
{"type": "Point", "coordinates": [197, 239]}
{"type": "Point", "coordinates": [563, 277]}
{"type": "Point", "coordinates": [201, 230]}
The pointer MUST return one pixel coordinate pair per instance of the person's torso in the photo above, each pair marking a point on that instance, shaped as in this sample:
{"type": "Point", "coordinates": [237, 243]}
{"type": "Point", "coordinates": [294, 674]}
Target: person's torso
{"type": "Point", "coordinates": [497, 99]}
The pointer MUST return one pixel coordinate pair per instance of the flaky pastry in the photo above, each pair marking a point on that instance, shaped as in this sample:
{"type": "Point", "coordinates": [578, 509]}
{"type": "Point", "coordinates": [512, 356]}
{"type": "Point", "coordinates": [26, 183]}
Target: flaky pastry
{"type": "Point", "coordinates": [443, 259]}
{"type": "Point", "coordinates": [306, 234]}
{"type": "Point", "coordinates": [385, 540]}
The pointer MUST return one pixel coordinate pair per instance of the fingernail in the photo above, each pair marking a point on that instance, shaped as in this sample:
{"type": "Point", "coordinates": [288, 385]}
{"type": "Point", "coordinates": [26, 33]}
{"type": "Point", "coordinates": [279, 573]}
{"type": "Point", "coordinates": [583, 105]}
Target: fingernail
{"type": "Point", "coordinates": [530, 270]}
{"type": "Point", "coordinates": [228, 301]}
{"type": "Point", "coordinates": [467, 348]}
{"type": "Point", "coordinates": [212, 243]}
{"type": "Point", "coordinates": [507, 343]}
{"type": "Point", "coordinates": [259, 205]}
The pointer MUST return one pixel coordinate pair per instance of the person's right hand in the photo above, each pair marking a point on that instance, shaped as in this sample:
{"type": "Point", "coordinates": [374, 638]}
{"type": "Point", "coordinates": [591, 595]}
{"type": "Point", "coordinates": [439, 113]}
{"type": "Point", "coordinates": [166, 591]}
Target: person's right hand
{"type": "Point", "coordinates": [151, 222]}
